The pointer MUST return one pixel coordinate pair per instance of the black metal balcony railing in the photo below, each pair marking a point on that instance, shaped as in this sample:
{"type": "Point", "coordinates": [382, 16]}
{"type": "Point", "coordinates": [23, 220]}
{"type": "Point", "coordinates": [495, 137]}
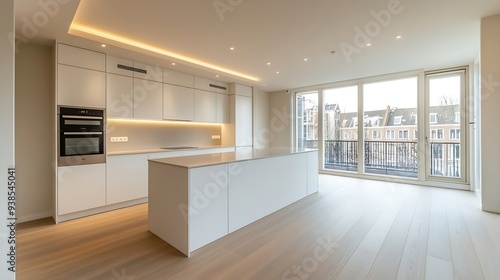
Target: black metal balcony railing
{"type": "Point", "coordinates": [390, 157]}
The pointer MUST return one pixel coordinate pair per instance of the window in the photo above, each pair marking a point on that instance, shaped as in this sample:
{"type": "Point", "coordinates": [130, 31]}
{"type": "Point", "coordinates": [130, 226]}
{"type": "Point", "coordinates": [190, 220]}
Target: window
{"type": "Point", "coordinates": [433, 118]}
{"type": "Point", "coordinates": [355, 122]}
{"type": "Point", "coordinates": [415, 134]}
{"type": "Point", "coordinates": [397, 120]}
{"type": "Point", "coordinates": [376, 134]}
{"type": "Point", "coordinates": [457, 117]}
{"type": "Point", "coordinates": [389, 134]}
{"type": "Point", "coordinates": [454, 133]}
{"type": "Point", "coordinates": [403, 134]}
{"type": "Point", "coordinates": [344, 123]}
{"type": "Point", "coordinates": [436, 134]}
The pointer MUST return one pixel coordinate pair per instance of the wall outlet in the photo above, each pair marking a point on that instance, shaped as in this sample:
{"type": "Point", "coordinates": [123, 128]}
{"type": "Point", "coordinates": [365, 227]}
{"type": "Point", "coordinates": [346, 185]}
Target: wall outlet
{"type": "Point", "coordinates": [119, 139]}
{"type": "Point", "coordinates": [215, 137]}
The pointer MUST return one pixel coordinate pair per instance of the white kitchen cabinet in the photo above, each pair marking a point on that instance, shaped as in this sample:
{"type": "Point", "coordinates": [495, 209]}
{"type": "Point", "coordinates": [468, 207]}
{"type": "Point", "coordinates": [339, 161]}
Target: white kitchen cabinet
{"type": "Point", "coordinates": [112, 66]}
{"type": "Point", "coordinates": [242, 120]}
{"type": "Point", "coordinates": [80, 87]}
{"type": "Point", "coordinates": [82, 58]}
{"type": "Point", "coordinates": [153, 73]}
{"type": "Point", "coordinates": [178, 103]}
{"type": "Point", "coordinates": [210, 85]}
{"type": "Point", "coordinates": [127, 178]}
{"type": "Point", "coordinates": [205, 106]}
{"type": "Point", "coordinates": [148, 96]}
{"type": "Point", "coordinates": [178, 78]}
{"type": "Point", "coordinates": [120, 96]}
{"type": "Point", "coordinates": [222, 108]}
{"type": "Point", "coordinates": [242, 90]}
{"type": "Point", "coordinates": [80, 188]}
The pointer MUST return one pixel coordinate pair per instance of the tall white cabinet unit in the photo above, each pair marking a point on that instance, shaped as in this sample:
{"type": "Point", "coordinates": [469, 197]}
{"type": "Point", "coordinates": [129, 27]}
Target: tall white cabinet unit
{"type": "Point", "coordinates": [80, 82]}
{"type": "Point", "coordinates": [241, 114]}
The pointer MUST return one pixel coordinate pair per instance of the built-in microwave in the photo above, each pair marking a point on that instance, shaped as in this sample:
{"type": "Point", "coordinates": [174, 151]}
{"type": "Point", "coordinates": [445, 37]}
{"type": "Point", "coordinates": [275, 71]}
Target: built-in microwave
{"type": "Point", "coordinates": [81, 136]}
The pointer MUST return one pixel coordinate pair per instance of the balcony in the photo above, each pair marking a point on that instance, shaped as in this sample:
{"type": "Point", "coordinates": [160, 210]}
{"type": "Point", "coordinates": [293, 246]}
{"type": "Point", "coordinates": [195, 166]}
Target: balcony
{"type": "Point", "coordinates": [394, 158]}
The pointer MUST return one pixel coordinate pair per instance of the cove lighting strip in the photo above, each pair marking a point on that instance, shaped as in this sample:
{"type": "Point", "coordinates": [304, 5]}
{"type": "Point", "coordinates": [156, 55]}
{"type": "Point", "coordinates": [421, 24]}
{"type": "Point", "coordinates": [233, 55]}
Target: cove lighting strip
{"type": "Point", "coordinates": [77, 29]}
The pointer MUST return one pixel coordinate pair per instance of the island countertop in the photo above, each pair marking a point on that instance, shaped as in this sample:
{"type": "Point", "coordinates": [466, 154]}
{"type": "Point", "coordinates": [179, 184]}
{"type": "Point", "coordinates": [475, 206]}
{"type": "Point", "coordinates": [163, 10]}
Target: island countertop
{"type": "Point", "coordinates": [229, 157]}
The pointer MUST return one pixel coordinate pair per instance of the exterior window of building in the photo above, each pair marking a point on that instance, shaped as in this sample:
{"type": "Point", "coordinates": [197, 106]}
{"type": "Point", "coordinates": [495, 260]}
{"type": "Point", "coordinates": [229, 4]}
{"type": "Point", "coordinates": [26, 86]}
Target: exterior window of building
{"type": "Point", "coordinates": [436, 134]}
{"type": "Point", "coordinates": [355, 122]}
{"type": "Point", "coordinates": [457, 117]}
{"type": "Point", "coordinates": [377, 134]}
{"type": "Point", "coordinates": [389, 134]}
{"type": "Point", "coordinates": [344, 123]}
{"type": "Point", "coordinates": [433, 118]}
{"type": "Point", "coordinates": [403, 134]}
{"type": "Point", "coordinates": [454, 133]}
{"type": "Point", "coordinates": [397, 120]}
{"type": "Point", "coordinates": [415, 134]}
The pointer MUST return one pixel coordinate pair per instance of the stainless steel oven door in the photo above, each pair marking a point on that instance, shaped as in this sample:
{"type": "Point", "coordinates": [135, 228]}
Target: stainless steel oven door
{"type": "Point", "coordinates": [78, 148]}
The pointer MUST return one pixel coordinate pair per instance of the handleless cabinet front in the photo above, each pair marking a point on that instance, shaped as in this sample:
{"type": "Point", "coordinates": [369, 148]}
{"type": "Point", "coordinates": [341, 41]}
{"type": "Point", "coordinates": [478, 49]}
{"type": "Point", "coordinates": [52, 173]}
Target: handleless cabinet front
{"type": "Point", "coordinates": [80, 87]}
{"type": "Point", "coordinates": [178, 103]}
{"type": "Point", "coordinates": [120, 96]}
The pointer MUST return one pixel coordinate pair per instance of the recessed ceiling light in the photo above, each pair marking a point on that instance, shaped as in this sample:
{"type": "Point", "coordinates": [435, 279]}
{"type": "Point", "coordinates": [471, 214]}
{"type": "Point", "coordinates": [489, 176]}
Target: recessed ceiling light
{"type": "Point", "coordinates": [231, 48]}
{"type": "Point", "coordinates": [398, 37]}
{"type": "Point", "coordinates": [305, 59]}
{"type": "Point", "coordinates": [217, 76]}
{"type": "Point", "coordinates": [269, 63]}
{"type": "Point", "coordinates": [369, 44]}
{"type": "Point", "coordinates": [277, 72]}
{"type": "Point", "coordinates": [103, 45]}
{"type": "Point", "coordinates": [173, 63]}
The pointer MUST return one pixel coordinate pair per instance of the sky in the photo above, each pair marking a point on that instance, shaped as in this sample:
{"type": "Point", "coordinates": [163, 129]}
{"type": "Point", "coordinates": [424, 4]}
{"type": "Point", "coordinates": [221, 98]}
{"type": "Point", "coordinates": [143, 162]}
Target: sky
{"type": "Point", "coordinates": [401, 93]}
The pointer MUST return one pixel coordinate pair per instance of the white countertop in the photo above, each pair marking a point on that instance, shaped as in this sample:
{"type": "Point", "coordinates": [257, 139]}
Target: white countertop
{"type": "Point", "coordinates": [159, 150]}
{"type": "Point", "coordinates": [230, 157]}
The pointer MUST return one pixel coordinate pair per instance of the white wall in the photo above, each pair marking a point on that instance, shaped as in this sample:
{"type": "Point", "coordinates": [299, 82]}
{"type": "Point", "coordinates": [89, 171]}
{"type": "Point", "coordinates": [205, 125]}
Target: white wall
{"type": "Point", "coordinates": [280, 119]}
{"type": "Point", "coordinates": [35, 139]}
{"type": "Point", "coordinates": [261, 131]}
{"type": "Point", "coordinates": [490, 113]}
{"type": "Point", "coordinates": [6, 123]}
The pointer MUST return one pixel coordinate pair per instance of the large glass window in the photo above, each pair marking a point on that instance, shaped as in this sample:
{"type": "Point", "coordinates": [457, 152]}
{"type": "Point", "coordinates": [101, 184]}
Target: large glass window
{"type": "Point", "coordinates": [395, 104]}
{"type": "Point", "coordinates": [340, 128]}
{"type": "Point", "coordinates": [307, 120]}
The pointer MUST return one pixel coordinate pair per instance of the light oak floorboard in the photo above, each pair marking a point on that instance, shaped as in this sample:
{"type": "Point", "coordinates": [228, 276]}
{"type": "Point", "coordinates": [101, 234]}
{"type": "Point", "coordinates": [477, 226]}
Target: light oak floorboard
{"type": "Point", "coordinates": [351, 229]}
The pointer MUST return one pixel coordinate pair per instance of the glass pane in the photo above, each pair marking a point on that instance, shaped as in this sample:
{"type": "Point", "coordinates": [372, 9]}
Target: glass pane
{"type": "Point", "coordinates": [444, 125]}
{"type": "Point", "coordinates": [83, 122]}
{"type": "Point", "coordinates": [82, 146]}
{"type": "Point", "coordinates": [391, 108]}
{"type": "Point", "coordinates": [307, 120]}
{"type": "Point", "coordinates": [340, 128]}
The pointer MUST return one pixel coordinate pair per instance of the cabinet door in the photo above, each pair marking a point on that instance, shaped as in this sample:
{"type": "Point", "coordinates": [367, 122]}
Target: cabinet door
{"type": "Point", "coordinates": [112, 66]}
{"type": "Point", "coordinates": [205, 106]}
{"type": "Point", "coordinates": [80, 87]}
{"type": "Point", "coordinates": [153, 73]}
{"type": "Point", "coordinates": [80, 187]}
{"type": "Point", "coordinates": [148, 96]}
{"type": "Point", "coordinates": [178, 78]}
{"type": "Point", "coordinates": [222, 87]}
{"type": "Point", "coordinates": [243, 122]}
{"type": "Point", "coordinates": [178, 103]}
{"type": "Point", "coordinates": [120, 96]}
{"type": "Point", "coordinates": [79, 57]}
{"type": "Point", "coordinates": [241, 90]}
{"type": "Point", "coordinates": [127, 178]}
{"type": "Point", "coordinates": [222, 108]}
{"type": "Point", "coordinates": [204, 84]}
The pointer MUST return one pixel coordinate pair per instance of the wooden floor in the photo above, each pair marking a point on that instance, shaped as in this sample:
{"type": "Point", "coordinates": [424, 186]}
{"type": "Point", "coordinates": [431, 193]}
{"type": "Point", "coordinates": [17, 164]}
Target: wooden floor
{"type": "Point", "coordinates": [351, 229]}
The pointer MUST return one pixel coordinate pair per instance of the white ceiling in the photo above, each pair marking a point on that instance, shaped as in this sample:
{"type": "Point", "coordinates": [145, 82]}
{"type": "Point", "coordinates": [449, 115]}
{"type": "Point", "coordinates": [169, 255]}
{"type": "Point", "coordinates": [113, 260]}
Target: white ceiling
{"type": "Point", "coordinates": [434, 34]}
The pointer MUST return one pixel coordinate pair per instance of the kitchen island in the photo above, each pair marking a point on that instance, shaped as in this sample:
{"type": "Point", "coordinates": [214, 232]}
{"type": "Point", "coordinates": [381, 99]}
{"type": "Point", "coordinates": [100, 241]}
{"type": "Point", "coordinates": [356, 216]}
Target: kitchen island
{"type": "Point", "coordinates": [195, 200]}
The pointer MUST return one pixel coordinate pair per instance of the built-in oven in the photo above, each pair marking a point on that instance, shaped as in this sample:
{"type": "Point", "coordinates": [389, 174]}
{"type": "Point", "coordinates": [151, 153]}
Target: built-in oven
{"type": "Point", "coordinates": [81, 133]}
